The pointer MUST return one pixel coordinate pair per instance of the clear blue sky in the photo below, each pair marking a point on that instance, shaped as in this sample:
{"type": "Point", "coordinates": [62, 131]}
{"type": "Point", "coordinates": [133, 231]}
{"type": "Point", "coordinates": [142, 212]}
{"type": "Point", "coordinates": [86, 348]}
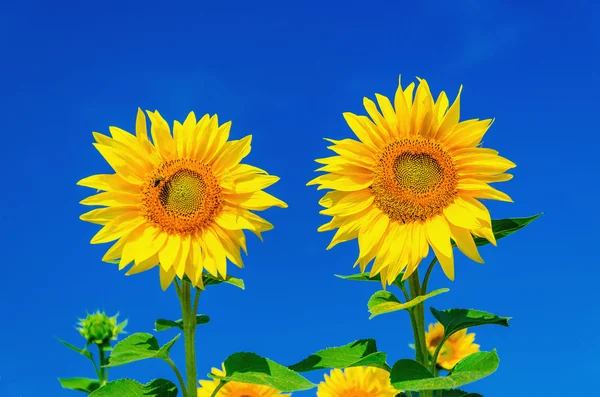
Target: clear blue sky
{"type": "Point", "coordinates": [285, 72]}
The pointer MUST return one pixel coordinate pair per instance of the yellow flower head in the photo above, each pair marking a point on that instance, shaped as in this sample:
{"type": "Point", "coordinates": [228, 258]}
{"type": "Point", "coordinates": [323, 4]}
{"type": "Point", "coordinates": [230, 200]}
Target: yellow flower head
{"type": "Point", "coordinates": [181, 201]}
{"type": "Point", "coordinates": [457, 347]}
{"type": "Point", "coordinates": [411, 181]}
{"type": "Point", "coordinates": [357, 382]}
{"type": "Point", "coordinates": [236, 389]}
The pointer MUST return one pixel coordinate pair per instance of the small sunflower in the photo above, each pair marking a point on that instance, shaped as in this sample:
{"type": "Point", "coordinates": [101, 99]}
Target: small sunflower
{"type": "Point", "coordinates": [412, 181]}
{"type": "Point", "coordinates": [236, 389]}
{"type": "Point", "coordinates": [357, 382]}
{"type": "Point", "coordinates": [455, 348]}
{"type": "Point", "coordinates": [181, 201]}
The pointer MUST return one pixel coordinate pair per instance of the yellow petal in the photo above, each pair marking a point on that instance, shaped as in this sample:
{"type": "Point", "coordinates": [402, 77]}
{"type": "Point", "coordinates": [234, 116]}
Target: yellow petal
{"type": "Point", "coordinates": [168, 254]}
{"type": "Point", "coordinates": [112, 199]}
{"type": "Point", "coordinates": [125, 168]}
{"type": "Point", "coordinates": [450, 119]}
{"type": "Point", "coordinates": [217, 251]}
{"type": "Point", "coordinates": [108, 182]}
{"type": "Point", "coordinates": [388, 114]}
{"type": "Point", "coordinates": [161, 136]}
{"type": "Point", "coordinates": [102, 216]}
{"type": "Point", "coordinates": [150, 243]}
{"type": "Point", "coordinates": [166, 278]}
{"type": "Point", "coordinates": [345, 183]}
{"type": "Point", "coordinates": [141, 132]}
{"type": "Point", "coordinates": [384, 128]}
{"type": "Point", "coordinates": [464, 242]}
{"type": "Point", "coordinates": [250, 183]}
{"type": "Point", "coordinates": [220, 138]}
{"type": "Point", "coordinates": [183, 256]}
{"type": "Point", "coordinates": [461, 217]}
{"type": "Point", "coordinates": [438, 235]}
{"type": "Point", "coordinates": [482, 190]}
{"type": "Point", "coordinates": [117, 228]}
{"type": "Point", "coordinates": [231, 154]}
{"type": "Point", "coordinates": [372, 231]}
{"type": "Point", "coordinates": [350, 204]}
{"type": "Point", "coordinates": [402, 107]}
{"type": "Point", "coordinates": [189, 126]}
{"type": "Point", "coordinates": [233, 219]}
{"type": "Point", "coordinates": [143, 266]}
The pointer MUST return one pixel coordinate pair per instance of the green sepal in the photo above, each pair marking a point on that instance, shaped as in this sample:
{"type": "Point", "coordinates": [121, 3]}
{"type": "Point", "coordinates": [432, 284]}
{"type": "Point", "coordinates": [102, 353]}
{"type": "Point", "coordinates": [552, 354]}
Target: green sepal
{"type": "Point", "coordinates": [208, 279]}
{"type": "Point", "coordinates": [385, 302]}
{"type": "Point", "coordinates": [132, 388]}
{"type": "Point", "coordinates": [359, 353]}
{"type": "Point", "coordinates": [139, 346]}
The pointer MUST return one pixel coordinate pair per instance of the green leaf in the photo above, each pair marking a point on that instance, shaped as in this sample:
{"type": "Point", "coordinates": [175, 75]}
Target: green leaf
{"type": "Point", "coordinates": [83, 351]}
{"type": "Point", "coordinates": [359, 353]}
{"type": "Point", "coordinates": [131, 388]}
{"type": "Point", "coordinates": [209, 279]}
{"type": "Point", "coordinates": [252, 368]}
{"type": "Point", "coordinates": [505, 227]}
{"type": "Point", "coordinates": [454, 320]}
{"type": "Point", "coordinates": [80, 384]}
{"type": "Point", "coordinates": [410, 375]}
{"type": "Point", "coordinates": [366, 276]}
{"type": "Point", "coordinates": [139, 346]}
{"type": "Point", "coordinates": [385, 302]}
{"type": "Point", "coordinates": [161, 324]}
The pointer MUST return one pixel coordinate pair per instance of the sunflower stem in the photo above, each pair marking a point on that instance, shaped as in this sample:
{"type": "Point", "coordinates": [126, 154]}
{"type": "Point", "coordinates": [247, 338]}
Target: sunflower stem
{"type": "Point", "coordinates": [435, 356]}
{"type": "Point", "coordinates": [179, 377]}
{"type": "Point", "coordinates": [418, 312]}
{"type": "Point", "coordinates": [427, 275]}
{"type": "Point", "coordinates": [103, 375]}
{"type": "Point", "coordinates": [189, 330]}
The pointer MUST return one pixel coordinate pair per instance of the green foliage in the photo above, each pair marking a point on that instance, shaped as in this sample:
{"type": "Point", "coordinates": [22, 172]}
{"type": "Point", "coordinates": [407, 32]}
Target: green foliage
{"type": "Point", "coordinates": [410, 375]}
{"type": "Point", "coordinates": [505, 227]}
{"type": "Point", "coordinates": [139, 346]}
{"type": "Point", "coordinates": [162, 324]}
{"type": "Point", "coordinates": [385, 302]}
{"type": "Point", "coordinates": [359, 353]}
{"type": "Point", "coordinates": [131, 388]}
{"type": "Point", "coordinates": [80, 384]}
{"type": "Point", "coordinates": [454, 320]}
{"type": "Point", "coordinates": [252, 368]}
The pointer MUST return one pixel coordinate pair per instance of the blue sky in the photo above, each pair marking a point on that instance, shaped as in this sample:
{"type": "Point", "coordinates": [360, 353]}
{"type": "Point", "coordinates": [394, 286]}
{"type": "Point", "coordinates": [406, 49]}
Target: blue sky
{"type": "Point", "coordinates": [285, 72]}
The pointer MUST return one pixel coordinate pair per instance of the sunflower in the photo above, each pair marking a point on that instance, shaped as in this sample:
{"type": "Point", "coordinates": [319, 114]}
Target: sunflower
{"type": "Point", "coordinates": [454, 349]}
{"type": "Point", "coordinates": [181, 201]}
{"type": "Point", "coordinates": [236, 389]}
{"type": "Point", "coordinates": [357, 382]}
{"type": "Point", "coordinates": [411, 181]}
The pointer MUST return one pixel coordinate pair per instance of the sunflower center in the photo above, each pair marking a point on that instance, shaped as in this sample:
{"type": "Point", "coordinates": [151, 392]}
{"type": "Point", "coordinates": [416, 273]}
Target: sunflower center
{"type": "Point", "coordinates": [415, 179]}
{"type": "Point", "coordinates": [183, 193]}
{"type": "Point", "coordinates": [418, 173]}
{"type": "Point", "coordinates": [181, 197]}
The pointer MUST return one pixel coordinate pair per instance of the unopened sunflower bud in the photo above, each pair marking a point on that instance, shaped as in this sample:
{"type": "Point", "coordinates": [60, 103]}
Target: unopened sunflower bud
{"type": "Point", "coordinates": [99, 328]}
